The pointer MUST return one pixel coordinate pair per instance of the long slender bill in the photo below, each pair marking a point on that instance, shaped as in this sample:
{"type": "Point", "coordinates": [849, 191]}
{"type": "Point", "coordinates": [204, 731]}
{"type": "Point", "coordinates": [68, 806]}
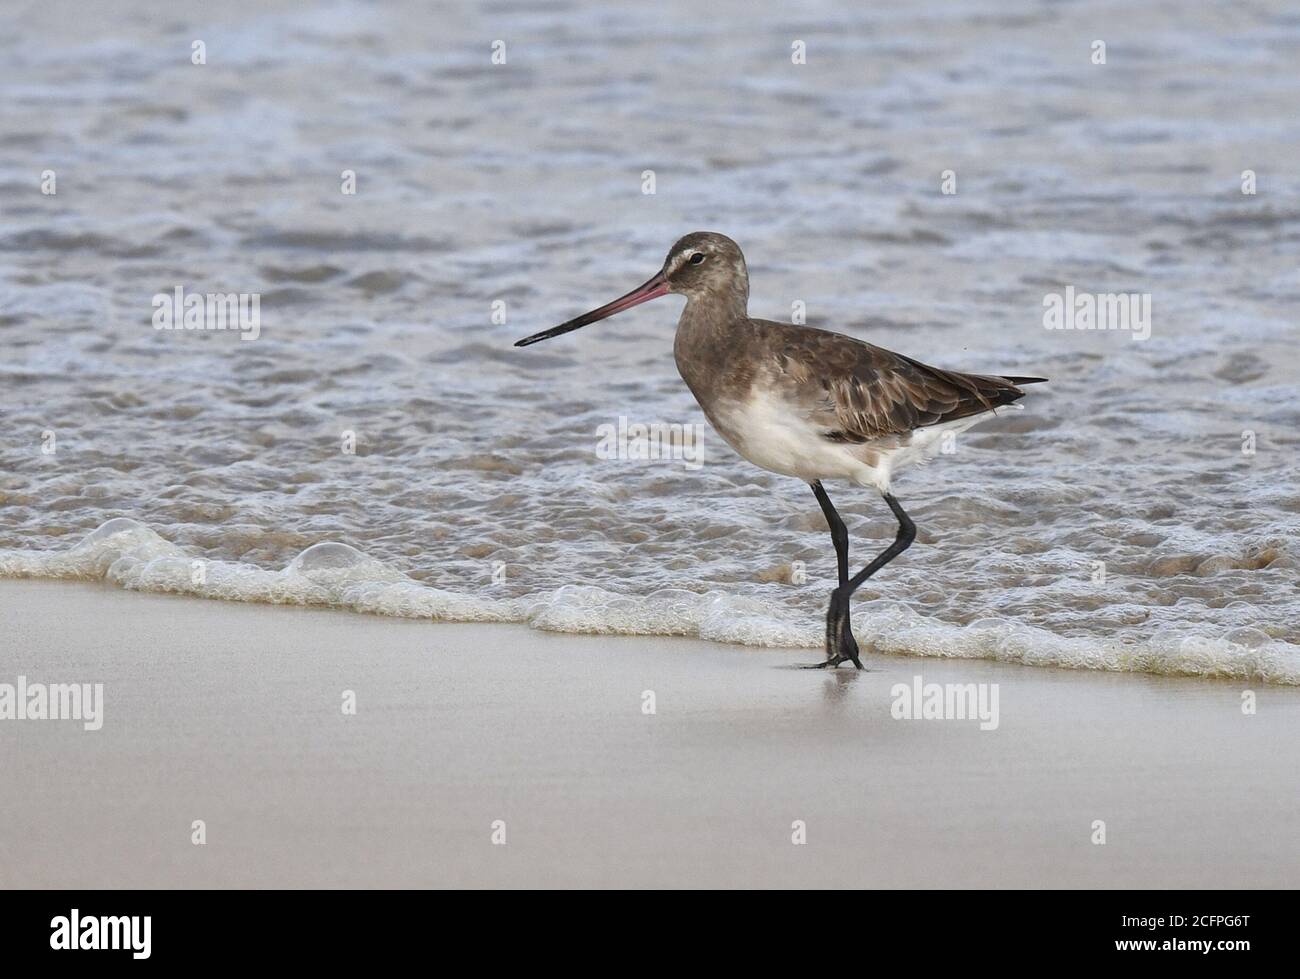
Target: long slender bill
{"type": "Point", "coordinates": [653, 289]}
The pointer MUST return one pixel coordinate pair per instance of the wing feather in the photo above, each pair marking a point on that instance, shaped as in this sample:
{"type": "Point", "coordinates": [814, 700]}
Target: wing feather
{"type": "Point", "coordinates": [859, 392]}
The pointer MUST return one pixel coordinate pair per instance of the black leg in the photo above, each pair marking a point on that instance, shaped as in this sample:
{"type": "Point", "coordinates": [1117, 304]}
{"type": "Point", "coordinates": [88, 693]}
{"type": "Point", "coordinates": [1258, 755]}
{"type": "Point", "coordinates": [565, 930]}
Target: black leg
{"type": "Point", "coordinates": [839, 533]}
{"type": "Point", "coordinates": [848, 648]}
{"type": "Point", "coordinates": [837, 616]}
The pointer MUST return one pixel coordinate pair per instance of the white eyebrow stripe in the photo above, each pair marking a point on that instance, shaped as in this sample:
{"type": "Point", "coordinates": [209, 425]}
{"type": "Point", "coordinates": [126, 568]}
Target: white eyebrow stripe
{"type": "Point", "coordinates": [677, 261]}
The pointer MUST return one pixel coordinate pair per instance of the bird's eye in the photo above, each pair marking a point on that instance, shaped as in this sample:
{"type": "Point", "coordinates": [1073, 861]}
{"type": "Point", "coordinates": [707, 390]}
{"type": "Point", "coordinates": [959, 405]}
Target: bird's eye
{"type": "Point", "coordinates": [697, 258]}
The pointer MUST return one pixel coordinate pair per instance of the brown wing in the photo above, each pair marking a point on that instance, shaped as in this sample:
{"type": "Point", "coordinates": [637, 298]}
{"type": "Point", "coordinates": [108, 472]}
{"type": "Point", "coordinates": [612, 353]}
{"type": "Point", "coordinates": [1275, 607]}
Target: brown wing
{"type": "Point", "coordinates": [861, 393]}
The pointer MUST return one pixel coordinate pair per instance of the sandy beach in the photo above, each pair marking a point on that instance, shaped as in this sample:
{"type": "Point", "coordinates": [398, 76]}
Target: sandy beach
{"type": "Point", "coordinates": [232, 714]}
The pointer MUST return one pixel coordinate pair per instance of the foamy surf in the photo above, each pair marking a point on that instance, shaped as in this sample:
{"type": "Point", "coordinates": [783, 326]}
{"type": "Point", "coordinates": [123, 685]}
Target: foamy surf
{"type": "Point", "coordinates": [131, 555]}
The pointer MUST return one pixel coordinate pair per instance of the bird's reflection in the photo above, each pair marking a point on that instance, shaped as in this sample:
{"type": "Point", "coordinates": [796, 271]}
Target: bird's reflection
{"type": "Point", "coordinates": [836, 686]}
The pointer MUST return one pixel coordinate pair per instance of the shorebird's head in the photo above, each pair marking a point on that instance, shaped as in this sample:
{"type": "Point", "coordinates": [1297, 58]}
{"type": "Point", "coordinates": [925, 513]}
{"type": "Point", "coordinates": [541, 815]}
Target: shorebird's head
{"type": "Point", "coordinates": [704, 264]}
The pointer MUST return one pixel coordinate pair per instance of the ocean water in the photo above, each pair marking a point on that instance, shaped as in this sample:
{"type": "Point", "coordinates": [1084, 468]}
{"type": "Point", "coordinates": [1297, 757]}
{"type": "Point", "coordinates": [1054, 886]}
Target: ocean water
{"type": "Point", "coordinates": [1141, 513]}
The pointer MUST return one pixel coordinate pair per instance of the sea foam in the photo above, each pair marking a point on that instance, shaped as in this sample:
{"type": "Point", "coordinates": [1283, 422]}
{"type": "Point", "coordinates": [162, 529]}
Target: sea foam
{"type": "Point", "coordinates": [131, 555]}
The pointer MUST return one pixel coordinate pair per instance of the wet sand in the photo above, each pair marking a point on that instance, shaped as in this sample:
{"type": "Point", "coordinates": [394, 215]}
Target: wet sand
{"type": "Point", "coordinates": [232, 714]}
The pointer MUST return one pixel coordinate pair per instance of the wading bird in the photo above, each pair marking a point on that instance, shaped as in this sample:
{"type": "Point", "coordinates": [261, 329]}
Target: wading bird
{"type": "Point", "coordinates": [804, 402]}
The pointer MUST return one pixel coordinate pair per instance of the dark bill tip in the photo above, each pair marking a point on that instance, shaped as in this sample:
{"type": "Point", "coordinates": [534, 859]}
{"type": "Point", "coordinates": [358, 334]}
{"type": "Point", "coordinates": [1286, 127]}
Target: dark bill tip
{"type": "Point", "coordinates": [554, 331]}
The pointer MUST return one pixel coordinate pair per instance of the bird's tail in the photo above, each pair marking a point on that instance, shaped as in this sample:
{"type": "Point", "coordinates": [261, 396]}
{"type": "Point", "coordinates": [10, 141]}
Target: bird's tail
{"type": "Point", "coordinates": [1025, 380]}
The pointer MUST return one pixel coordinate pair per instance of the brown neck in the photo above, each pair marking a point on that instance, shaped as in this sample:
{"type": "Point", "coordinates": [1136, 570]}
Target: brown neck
{"type": "Point", "coordinates": [717, 309]}
{"type": "Point", "coordinates": [709, 337]}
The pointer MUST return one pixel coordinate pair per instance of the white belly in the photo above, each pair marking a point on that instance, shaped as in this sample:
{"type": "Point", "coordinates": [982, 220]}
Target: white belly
{"type": "Point", "coordinates": [776, 437]}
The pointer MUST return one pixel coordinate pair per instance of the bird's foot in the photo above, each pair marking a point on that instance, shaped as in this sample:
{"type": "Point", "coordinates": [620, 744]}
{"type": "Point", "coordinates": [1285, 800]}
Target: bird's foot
{"type": "Point", "coordinates": [840, 644]}
{"type": "Point", "coordinates": [831, 663]}
{"type": "Point", "coordinates": [848, 653]}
